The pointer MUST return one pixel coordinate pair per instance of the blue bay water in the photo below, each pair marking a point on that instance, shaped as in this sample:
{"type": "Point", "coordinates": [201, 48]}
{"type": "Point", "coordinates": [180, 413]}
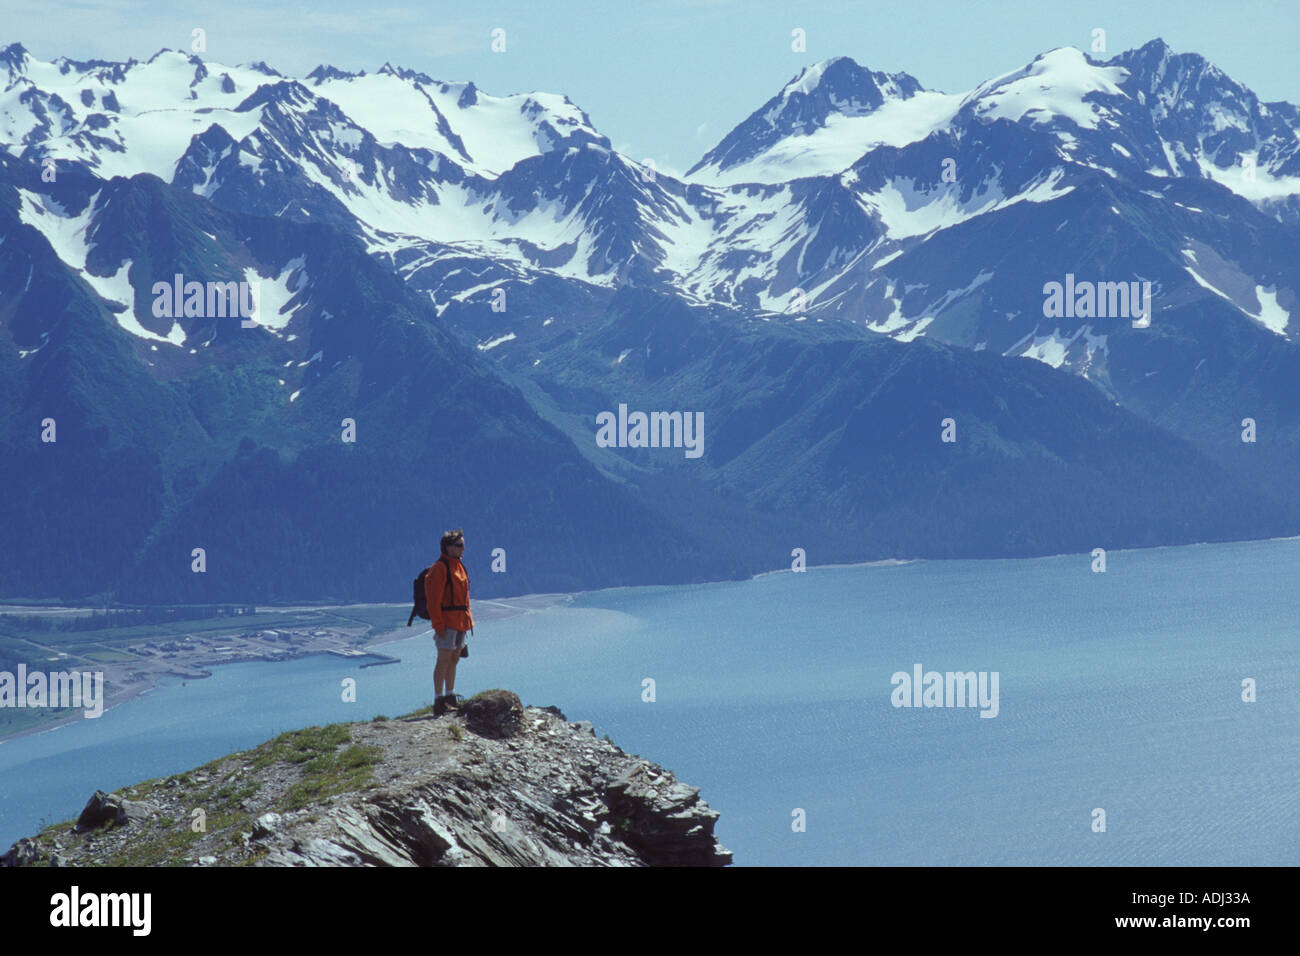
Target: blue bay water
{"type": "Point", "coordinates": [1119, 691]}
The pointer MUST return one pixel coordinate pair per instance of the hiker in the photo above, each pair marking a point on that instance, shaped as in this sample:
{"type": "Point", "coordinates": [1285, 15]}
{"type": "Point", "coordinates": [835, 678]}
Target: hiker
{"type": "Point", "coordinates": [448, 603]}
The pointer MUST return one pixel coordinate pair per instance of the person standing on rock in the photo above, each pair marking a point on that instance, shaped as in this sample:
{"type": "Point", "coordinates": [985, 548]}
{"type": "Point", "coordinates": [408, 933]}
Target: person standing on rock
{"type": "Point", "coordinates": [446, 591]}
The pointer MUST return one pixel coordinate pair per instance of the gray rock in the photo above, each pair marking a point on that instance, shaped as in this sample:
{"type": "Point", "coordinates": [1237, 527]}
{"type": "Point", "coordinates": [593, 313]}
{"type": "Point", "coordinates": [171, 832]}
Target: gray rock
{"type": "Point", "coordinates": [265, 826]}
{"type": "Point", "coordinates": [663, 820]}
{"type": "Point", "coordinates": [314, 852]}
{"type": "Point", "coordinates": [105, 808]}
{"type": "Point", "coordinates": [23, 853]}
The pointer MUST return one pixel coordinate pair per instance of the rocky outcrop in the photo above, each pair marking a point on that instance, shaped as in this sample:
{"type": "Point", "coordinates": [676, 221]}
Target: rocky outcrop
{"type": "Point", "coordinates": [26, 852]}
{"type": "Point", "coordinates": [104, 809]}
{"type": "Point", "coordinates": [494, 713]}
{"type": "Point", "coordinates": [662, 820]}
{"type": "Point", "coordinates": [496, 784]}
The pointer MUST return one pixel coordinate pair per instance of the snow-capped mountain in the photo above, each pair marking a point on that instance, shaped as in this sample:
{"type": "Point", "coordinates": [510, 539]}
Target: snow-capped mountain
{"type": "Point", "coordinates": [820, 123]}
{"type": "Point", "coordinates": [955, 211]}
{"type": "Point", "coordinates": [1159, 112]}
{"type": "Point", "coordinates": [825, 190]}
{"type": "Point", "coordinates": [120, 119]}
{"type": "Point", "coordinates": [405, 162]}
{"type": "Point", "coordinates": [854, 226]}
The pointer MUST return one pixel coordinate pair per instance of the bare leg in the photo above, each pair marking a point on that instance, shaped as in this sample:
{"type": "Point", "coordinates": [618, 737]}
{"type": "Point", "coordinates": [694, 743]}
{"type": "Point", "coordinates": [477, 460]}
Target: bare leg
{"type": "Point", "coordinates": [451, 670]}
{"type": "Point", "coordinates": [445, 663]}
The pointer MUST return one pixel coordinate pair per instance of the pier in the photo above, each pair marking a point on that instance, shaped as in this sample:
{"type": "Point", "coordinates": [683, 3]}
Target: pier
{"type": "Point", "coordinates": [374, 660]}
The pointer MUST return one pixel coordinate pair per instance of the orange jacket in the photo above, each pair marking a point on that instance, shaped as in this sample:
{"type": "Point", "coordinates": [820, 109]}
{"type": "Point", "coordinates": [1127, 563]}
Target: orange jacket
{"type": "Point", "coordinates": [435, 592]}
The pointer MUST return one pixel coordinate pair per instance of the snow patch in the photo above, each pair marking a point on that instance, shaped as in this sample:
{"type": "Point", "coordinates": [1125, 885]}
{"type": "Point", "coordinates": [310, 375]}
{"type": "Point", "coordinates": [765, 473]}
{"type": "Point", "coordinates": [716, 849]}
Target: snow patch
{"type": "Point", "coordinates": [839, 144]}
{"type": "Point", "coordinates": [274, 294]}
{"type": "Point", "coordinates": [1274, 317]}
{"type": "Point", "coordinates": [1052, 86]}
{"type": "Point", "coordinates": [493, 343]}
{"type": "Point", "coordinates": [1192, 272]}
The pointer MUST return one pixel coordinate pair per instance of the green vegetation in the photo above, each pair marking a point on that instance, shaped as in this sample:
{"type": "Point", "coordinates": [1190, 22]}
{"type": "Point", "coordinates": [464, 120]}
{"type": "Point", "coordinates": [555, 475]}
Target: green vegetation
{"type": "Point", "coordinates": [15, 719]}
{"type": "Point", "coordinates": [142, 790]}
{"type": "Point", "coordinates": [109, 657]}
{"type": "Point", "coordinates": [96, 619]}
{"type": "Point", "coordinates": [167, 846]}
{"type": "Point", "coordinates": [331, 764]}
{"type": "Point", "coordinates": [257, 856]}
{"type": "Point", "coordinates": [330, 774]}
{"type": "Point", "coordinates": [456, 732]}
{"type": "Point", "coordinates": [231, 793]}
{"type": "Point", "coordinates": [326, 771]}
{"type": "Point", "coordinates": [381, 617]}
{"type": "Point", "coordinates": [299, 746]}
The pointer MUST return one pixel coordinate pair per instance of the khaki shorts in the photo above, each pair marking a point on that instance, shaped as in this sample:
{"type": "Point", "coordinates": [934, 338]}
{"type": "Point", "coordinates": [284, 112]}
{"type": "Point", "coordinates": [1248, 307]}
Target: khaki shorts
{"type": "Point", "coordinates": [452, 641]}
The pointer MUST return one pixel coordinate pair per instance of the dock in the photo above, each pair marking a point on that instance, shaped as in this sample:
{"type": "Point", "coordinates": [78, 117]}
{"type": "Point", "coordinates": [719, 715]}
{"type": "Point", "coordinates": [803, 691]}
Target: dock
{"type": "Point", "coordinates": [373, 659]}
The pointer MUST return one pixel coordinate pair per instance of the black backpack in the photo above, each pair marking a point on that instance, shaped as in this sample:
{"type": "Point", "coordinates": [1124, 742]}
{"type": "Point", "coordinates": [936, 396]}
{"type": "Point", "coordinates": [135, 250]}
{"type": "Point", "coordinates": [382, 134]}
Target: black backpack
{"type": "Point", "coordinates": [421, 608]}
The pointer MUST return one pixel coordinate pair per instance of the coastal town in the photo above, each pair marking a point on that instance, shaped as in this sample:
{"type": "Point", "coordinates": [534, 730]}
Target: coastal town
{"type": "Point", "coordinates": [140, 666]}
{"type": "Point", "coordinates": [191, 655]}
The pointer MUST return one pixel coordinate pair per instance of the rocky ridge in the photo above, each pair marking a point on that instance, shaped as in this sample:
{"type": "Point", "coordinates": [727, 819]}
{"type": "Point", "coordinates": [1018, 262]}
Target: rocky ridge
{"type": "Point", "coordinates": [498, 784]}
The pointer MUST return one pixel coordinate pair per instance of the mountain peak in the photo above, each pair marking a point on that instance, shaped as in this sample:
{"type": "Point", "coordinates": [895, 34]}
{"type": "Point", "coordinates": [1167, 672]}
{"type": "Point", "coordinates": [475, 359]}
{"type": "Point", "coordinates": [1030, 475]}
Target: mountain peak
{"type": "Point", "coordinates": [285, 91]}
{"type": "Point", "coordinates": [326, 72]}
{"type": "Point", "coordinates": [165, 50]}
{"type": "Point", "coordinates": [1156, 46]}
{"type": "Point", "coordinates": [810, 76]}
{"type": "Point", "coordinates": [402, 73]}
{"type": "Point", "coordinates": [845, 83]}
{"type": "Point", "coordinates": [261, 67]}
{"type": "Point", "coordinates": [15, 58]}
{"type": "Point", "coordinates": [835, 87]}
{"type": "Point", "coordinates": [1155, 66]}
{"type": "Point", "coordinates": [1154, 57]}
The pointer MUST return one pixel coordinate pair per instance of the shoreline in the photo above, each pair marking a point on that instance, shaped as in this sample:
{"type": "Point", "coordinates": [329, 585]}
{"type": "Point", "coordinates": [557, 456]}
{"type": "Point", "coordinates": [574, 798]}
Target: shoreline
{"type": "Point", "coordinates": [497, 609]}
{"type": "Point", "coordinates": [494, 609]}
{"type": "Point", "coordinates": [881, 563]}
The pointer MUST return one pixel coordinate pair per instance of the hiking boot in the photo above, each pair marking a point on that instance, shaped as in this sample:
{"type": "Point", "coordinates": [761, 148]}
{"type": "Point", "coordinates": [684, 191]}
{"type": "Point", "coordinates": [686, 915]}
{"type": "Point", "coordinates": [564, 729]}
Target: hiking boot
{"type": "Point", "coordinates": [453, 701]}
{"type": "Point", "coordinates": [439, 706]}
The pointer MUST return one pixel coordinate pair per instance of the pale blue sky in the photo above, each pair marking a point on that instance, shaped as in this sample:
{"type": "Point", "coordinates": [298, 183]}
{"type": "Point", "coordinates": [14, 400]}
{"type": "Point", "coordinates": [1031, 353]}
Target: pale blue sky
{"type": "Point", "coordinates": [665, 80]}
